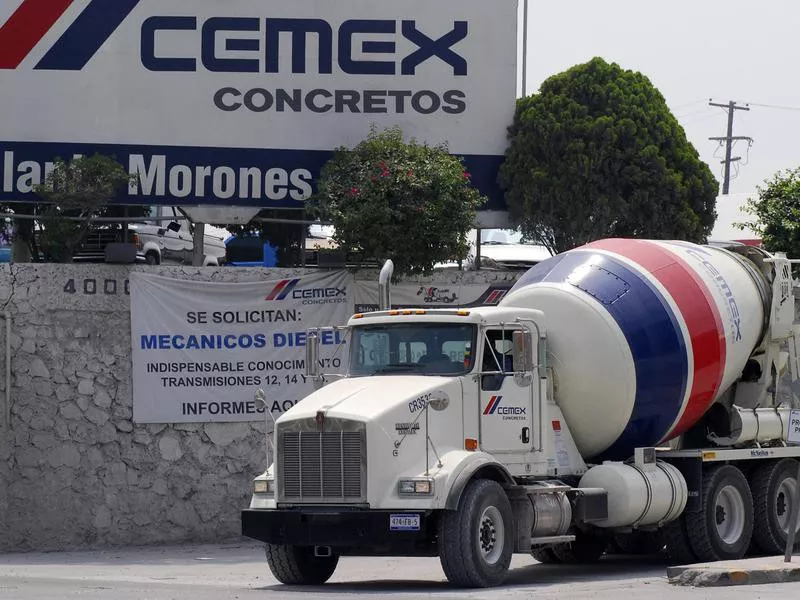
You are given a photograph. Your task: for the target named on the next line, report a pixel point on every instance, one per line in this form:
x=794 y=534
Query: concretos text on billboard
x=200 y=350
x=242 y=102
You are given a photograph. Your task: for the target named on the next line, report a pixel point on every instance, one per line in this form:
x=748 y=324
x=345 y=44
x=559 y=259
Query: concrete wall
x=75 y=471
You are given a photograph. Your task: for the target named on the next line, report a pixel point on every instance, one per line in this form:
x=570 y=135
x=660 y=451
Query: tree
x=777 y=213
x=597 y=153
x=77 y=191
x=389 y=198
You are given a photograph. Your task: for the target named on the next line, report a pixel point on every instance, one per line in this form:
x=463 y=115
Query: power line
x=703 y=110
x=729 y=141
x=776 y=106
x=687 y=105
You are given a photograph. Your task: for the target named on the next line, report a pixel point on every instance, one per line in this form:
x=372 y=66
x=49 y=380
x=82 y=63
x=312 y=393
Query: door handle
x=526 y=435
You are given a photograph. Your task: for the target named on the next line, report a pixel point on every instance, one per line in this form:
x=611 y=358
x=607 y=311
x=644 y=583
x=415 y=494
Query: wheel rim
x=729 y=515
x=783 y=503
x=491 y=535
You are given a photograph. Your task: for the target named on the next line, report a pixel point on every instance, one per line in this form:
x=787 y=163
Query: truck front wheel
x=297 y=565
x=476 y=541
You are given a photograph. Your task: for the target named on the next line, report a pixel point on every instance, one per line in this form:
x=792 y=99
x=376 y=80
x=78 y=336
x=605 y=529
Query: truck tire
x=297 y=565
x=722 y=530
x=546 y=556
x=679 y=550
x=476 y=541
x=151 y=258
x=774 y=487
x=587 y=548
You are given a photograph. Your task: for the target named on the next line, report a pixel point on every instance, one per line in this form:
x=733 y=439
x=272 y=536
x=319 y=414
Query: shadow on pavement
x=616 y=568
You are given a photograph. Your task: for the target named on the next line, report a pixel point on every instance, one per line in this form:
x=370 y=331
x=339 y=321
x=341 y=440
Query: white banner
x=432 y=295
x=202 y=349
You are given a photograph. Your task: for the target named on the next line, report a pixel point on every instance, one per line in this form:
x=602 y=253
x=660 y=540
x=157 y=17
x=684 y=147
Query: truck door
x=506 y=419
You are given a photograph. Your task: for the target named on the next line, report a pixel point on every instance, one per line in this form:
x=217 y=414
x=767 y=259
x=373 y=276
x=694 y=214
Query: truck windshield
x=410 y=349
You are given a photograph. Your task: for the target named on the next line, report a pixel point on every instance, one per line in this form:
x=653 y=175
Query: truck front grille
x=326 y=466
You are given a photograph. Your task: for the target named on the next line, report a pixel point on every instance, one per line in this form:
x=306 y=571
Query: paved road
x=238 y=571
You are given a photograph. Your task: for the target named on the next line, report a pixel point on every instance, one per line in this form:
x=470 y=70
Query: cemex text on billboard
x=241 y=102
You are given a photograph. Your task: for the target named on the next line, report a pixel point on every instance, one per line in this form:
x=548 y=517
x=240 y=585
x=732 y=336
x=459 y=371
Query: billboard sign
x=241 y=102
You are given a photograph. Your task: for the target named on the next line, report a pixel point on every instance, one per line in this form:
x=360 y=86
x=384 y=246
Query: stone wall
x=75 y=471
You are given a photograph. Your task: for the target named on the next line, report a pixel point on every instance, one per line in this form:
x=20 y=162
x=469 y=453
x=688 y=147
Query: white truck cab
x=451 y=406
x=172 y=242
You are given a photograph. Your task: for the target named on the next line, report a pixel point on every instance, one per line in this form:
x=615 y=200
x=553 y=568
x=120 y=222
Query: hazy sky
x=692 y=50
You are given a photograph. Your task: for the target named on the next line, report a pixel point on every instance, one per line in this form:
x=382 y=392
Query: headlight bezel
x=264 y=486
x=415 y=487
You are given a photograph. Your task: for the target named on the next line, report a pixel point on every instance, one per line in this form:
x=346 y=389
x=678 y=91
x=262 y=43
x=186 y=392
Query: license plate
x=404 y=522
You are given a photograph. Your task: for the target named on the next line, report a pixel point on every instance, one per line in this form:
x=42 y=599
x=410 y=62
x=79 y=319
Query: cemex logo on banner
x=321 y=295
x=76 y=46
x=282 y=289
x=227 y=45
x=84 y=37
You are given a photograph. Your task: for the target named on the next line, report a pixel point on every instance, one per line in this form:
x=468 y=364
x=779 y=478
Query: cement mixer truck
x=624 y=394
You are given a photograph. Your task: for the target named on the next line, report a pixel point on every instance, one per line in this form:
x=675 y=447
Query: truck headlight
x=415 y=487
x=264 y=486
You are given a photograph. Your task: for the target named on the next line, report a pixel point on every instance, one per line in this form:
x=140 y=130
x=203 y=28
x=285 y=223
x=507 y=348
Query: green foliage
x=389 y=198
x=597 y=153
x=76 y=191
x=777 y=213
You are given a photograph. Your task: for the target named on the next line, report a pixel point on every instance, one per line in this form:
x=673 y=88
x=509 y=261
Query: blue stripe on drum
x=650 y=328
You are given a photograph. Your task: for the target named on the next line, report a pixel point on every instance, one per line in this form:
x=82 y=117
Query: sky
x=692 y=51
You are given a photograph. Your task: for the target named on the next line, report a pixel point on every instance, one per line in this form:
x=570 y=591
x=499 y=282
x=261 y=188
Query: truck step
x=552 y=539
x=529 y=490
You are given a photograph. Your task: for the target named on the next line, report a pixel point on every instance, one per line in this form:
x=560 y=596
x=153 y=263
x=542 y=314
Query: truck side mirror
x=174 y=226
x=312 y=356
x=522 y=351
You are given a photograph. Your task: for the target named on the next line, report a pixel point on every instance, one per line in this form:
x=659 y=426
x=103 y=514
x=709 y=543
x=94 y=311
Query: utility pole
x=525 y=49
x=729 y=140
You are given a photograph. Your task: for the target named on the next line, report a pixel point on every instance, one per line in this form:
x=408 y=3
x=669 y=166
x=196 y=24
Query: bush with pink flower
x=398 y=199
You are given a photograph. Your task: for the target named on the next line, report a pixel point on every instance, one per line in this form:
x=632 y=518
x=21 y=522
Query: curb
x=718 y=577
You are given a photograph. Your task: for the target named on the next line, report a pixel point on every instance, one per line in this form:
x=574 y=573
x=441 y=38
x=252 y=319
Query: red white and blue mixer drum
x=643 y=336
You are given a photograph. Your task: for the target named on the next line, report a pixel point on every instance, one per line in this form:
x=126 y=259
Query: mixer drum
x=643 y=336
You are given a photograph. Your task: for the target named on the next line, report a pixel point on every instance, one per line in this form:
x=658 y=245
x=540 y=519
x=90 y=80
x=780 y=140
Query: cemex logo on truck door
x=320 y=295
x=509 y=413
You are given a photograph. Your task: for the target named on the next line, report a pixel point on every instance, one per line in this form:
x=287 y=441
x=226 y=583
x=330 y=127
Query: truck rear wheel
x=476 y=541
x=546 y=556
x=587 y=548
x=724 y=528
x=679 y=550
x=774 y=487
x=297 y=565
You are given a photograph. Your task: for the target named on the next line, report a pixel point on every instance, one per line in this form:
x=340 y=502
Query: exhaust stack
x=384 y=281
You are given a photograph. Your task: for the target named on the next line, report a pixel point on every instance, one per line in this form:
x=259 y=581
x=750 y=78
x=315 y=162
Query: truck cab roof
x=482 y=315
